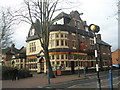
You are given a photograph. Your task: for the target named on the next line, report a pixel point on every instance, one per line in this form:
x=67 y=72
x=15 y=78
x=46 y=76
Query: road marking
x=94 y=83
x=113 y=82
x=109 y=78
x=109 y=85
x=81 y=84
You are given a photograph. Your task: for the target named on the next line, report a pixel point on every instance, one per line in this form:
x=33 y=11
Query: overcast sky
x=99 y=12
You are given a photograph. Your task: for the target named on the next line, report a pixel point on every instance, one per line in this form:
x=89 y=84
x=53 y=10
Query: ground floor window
x=32 y=66
x=59 y=57
x=58 y=63
x=92 y=64
x=53 y=63
x=21 y=66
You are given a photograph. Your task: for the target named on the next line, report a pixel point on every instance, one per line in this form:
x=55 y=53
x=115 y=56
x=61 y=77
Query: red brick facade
x=116 y=57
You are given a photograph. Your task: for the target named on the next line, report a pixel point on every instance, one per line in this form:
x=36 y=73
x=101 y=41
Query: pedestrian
x=15 y=74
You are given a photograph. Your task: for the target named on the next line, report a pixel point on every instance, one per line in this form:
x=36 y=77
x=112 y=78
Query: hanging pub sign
x=82 y=46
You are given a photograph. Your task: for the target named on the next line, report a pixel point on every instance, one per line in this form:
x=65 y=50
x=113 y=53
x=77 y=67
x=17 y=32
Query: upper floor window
x=92 y=42
x=57 y=42
x=61 y=35
x=32 y=32
x=78 y=24
x=62 y=42
x=52 y=43
x=73 y=43
x=58 y=39
x=65 y=35
x=52 y=36
x=57 y=35
x=32 y=47
x=66 y=43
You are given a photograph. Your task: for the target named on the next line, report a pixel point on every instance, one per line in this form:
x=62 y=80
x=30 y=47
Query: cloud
x=20 y=35
x=100 y=12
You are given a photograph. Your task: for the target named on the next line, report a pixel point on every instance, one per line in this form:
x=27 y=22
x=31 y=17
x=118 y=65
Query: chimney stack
x=99 y=36
x=12 y=47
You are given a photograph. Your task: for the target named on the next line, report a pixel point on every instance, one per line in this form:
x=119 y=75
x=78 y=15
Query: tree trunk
x=48 y=64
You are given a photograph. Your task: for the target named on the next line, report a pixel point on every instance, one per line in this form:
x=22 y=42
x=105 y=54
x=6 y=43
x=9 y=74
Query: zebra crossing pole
x=95 y=29
x=97 y=66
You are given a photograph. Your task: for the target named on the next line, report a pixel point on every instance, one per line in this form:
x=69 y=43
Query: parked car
x=116 y=65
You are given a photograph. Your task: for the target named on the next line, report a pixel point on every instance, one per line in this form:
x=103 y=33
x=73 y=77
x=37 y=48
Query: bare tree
x=6 y=31
x=39 y=14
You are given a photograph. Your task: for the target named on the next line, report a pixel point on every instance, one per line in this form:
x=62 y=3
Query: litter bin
x=59 y=72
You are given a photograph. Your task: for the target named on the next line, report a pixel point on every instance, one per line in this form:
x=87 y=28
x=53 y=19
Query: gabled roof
x=22 y=50
x=62 y=15
x=70 y=29
x=21 y=53
x=102 y=42
x=37 y=22
x=9 y=52
x=117 y=50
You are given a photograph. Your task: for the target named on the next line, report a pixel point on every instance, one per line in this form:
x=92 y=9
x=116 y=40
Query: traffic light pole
x=97 y=66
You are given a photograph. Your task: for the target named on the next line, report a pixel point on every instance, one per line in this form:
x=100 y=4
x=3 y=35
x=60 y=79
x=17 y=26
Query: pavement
x=38 y=80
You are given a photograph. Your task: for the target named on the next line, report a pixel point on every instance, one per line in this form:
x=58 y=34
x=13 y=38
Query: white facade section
x=96 y=53
x=37 y=46
x=61 y=21
x=95 y=40
x=97 y=68
x=32 y=32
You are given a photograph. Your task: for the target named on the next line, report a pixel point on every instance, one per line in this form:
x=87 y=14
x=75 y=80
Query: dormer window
x=77 y=24
x=32 y=32
x=86 y=29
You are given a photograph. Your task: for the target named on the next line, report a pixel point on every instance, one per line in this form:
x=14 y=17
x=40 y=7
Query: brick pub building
x=70 y=44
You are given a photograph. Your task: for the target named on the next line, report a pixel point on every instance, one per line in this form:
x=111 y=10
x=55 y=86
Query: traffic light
x=94 y=28
x=41 y=60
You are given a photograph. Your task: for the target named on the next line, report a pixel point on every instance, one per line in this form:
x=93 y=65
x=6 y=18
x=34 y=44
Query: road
x=90 y=81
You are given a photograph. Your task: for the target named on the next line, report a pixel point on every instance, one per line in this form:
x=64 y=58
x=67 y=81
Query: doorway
x=72 y=67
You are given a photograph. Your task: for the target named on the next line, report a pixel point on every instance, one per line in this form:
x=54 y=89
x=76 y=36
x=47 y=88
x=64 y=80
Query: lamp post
x=95 y=29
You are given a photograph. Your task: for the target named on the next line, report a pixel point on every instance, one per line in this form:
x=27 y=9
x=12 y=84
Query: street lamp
x=95 y=29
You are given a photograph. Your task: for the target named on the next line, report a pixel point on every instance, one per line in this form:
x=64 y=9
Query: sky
x=99 y=12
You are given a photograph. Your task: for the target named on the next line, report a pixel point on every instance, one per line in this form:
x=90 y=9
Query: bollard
x=85 y=71
x=48 y=76
x=111 y=81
